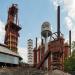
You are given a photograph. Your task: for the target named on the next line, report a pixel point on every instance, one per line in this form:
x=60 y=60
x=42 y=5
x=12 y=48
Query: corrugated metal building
x=7 y=57
x=8 y=52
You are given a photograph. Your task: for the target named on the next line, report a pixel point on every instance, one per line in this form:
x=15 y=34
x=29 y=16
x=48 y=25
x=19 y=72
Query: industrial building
x=7 y=57
x=30 y=52
x=12 y=29
x=51 y=54
x=8 y=52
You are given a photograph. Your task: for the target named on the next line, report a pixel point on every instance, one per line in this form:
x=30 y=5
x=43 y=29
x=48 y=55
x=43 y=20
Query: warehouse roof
x=5 y=50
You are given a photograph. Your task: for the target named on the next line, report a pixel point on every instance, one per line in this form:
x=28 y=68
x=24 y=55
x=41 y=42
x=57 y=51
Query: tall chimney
x=58 y=21
x=42 y=42
x=70 y=41
x=36 y=42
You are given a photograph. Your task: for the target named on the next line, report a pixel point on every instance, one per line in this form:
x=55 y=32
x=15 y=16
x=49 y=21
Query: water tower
x=46 y=32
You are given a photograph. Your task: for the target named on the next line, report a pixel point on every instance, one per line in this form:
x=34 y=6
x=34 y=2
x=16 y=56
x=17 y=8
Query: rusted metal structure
x=8 y=51
x=35 y=55
x=12 y=28
x=56 y=52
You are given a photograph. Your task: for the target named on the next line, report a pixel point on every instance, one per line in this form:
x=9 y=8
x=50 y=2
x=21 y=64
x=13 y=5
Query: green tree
x=69 y=64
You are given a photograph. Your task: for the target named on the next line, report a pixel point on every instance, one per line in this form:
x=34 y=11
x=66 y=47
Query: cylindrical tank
x=46 y=29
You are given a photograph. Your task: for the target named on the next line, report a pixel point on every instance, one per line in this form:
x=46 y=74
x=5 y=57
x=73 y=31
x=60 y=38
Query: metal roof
x=4 y=49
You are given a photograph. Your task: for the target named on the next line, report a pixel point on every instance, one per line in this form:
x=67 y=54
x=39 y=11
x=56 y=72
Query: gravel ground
x=20 y=71
x=57 y=72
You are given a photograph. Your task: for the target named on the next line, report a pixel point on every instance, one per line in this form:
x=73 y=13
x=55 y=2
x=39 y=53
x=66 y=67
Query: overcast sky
x=32 y=13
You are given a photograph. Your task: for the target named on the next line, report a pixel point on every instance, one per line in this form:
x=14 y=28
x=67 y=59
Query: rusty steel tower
x=54 y=51
x=12 y=28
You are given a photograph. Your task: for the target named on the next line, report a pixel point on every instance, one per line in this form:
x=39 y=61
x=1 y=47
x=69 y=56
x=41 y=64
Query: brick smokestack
x=58 y=21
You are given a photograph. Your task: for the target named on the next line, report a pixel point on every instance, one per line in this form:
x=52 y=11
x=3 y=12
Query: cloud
x=2 y=31
x=70 y=18
x=67 y=4
x=57 y=2
x=23 y=53
x=68 y=22
x=39 y=42
x=70 y=7
x=73 y=34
